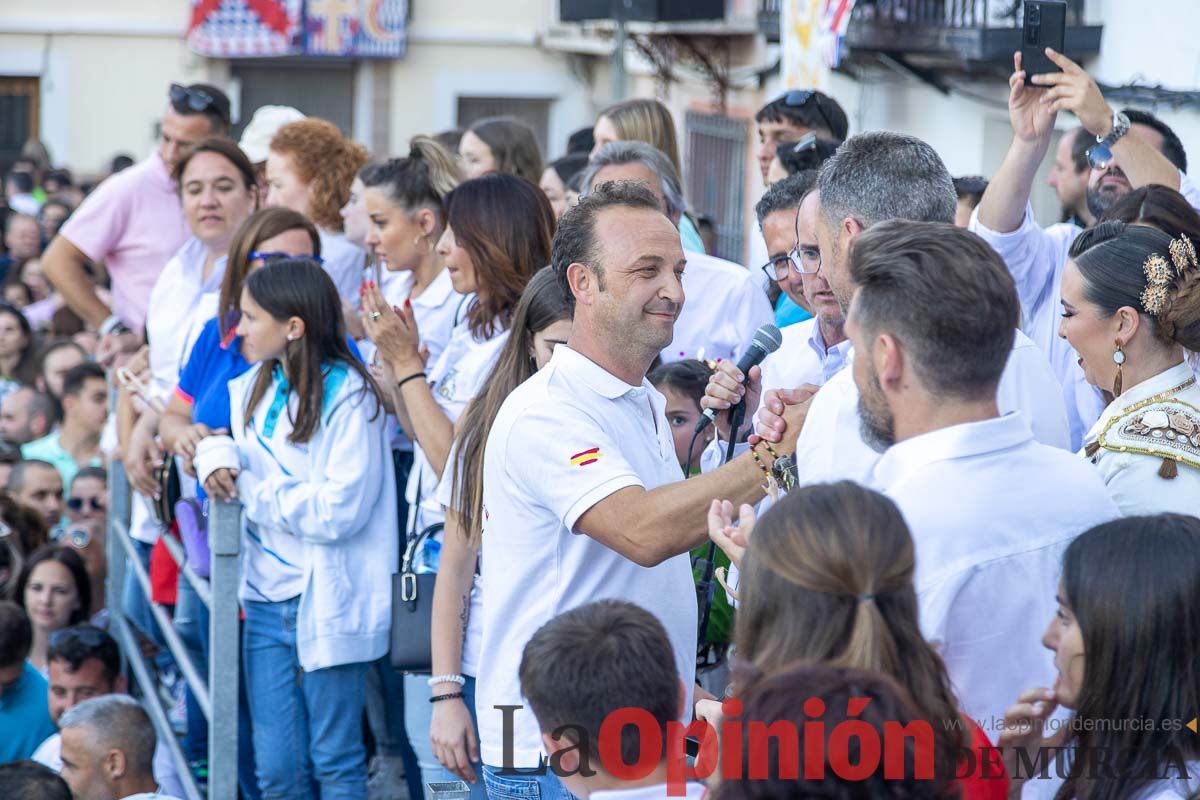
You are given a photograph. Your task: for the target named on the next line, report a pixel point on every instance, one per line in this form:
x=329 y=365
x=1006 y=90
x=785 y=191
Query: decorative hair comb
x=1160 y=274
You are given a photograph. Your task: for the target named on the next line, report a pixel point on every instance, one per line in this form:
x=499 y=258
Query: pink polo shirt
x=134 y=223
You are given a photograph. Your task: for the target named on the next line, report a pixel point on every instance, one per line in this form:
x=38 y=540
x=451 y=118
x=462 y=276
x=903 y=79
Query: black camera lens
x=1035 y=15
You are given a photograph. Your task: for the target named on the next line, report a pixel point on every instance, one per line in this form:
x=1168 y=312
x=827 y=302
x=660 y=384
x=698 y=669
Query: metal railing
x=217 y=692
x=955 y=13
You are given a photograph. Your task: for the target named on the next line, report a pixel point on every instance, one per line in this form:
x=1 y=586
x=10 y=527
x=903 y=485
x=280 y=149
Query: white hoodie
x=333 y=500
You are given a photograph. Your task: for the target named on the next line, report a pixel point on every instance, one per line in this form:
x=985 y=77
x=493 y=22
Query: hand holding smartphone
x=1045 y=25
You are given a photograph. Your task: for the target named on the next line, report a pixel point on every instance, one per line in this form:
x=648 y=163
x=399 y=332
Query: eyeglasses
x=798 y=98
x=76 y=504
x=186 y=99
x=267 y=258
x=804 y=260
x=76 y=537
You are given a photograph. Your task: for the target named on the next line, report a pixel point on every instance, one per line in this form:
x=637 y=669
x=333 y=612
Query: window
x=18 y=116
x=715 y=189
x=324 y=90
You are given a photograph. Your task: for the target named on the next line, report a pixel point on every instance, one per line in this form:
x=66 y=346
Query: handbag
x=412 y=606
x=169 y=490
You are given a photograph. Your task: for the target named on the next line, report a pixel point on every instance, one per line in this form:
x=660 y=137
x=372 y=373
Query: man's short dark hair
x=78 y=643
x=21 y=181
x=945 y=295
x=29 y=780
x=575 y=239
x=43 y=405
x=820 y=113
x=16 y=478
x=1172 y=147
x=78 y=375
x=218 y=112
x=120 y=162
x=16 y=634
x=99 y=473
x=882 y=175
x=785 y=195
x=593 y=660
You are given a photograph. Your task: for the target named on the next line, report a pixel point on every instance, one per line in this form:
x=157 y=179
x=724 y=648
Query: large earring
x=1119 y=360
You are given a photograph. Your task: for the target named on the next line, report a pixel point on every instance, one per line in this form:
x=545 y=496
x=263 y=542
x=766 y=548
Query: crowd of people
x=510 y=466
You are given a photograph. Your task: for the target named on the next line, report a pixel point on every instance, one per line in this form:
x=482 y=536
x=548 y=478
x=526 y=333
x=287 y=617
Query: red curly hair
x=327 y=160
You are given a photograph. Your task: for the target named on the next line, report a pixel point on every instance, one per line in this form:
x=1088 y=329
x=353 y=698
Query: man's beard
x=875 y=421
x=1101 y=198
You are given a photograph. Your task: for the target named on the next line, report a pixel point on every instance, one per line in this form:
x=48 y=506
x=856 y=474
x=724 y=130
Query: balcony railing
x=964 y=31
x=770 y=18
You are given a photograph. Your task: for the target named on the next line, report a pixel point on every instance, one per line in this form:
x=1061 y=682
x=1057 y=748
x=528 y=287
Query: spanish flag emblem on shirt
x=586 y=457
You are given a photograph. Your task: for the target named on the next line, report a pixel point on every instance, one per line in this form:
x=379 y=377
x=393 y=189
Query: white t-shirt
x=723 y=306
x=567 y=438
x=456 y=377
x=991 y=512
x=49 y=753
x=181 y=302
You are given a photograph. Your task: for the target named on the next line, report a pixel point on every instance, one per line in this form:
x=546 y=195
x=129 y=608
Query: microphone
x=766 y=341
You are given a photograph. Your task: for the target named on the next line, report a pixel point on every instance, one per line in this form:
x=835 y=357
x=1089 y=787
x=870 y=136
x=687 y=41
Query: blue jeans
x=524 y=787
x=418 y=716
x=308 y=738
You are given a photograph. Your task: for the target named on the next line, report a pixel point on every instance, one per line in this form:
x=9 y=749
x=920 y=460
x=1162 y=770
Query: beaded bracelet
x=437 y=698
x=434 y=681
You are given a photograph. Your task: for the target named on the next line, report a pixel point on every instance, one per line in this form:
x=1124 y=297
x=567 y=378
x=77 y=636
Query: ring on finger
x=374 y=315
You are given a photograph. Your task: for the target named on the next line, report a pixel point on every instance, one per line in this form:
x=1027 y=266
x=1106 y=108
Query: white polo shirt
x=831 y=447
x=991 y=512
x=564 y=440
x=723 y=306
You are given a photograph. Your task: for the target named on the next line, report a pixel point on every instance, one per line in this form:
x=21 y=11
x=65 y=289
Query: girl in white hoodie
x=320 y=540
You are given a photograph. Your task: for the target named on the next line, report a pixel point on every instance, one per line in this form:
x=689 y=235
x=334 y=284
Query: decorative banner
x=813 y=33
x=257 y=28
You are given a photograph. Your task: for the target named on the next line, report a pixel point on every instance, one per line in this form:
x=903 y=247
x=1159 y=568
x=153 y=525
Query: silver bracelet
x=434 y=681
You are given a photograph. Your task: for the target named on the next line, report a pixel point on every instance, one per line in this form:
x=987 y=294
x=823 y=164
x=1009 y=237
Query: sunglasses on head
x=799 y=98
x=186 y=99
x=87 y=635
x=268 y=258
x=76 y=504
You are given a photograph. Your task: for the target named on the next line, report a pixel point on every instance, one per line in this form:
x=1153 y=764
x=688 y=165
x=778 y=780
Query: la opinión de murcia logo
x=852 y=750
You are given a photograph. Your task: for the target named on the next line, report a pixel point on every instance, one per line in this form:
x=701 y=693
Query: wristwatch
x=1100 y=154
x=113 y=325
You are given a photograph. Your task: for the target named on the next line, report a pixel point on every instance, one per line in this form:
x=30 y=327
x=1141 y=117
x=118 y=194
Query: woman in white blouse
x=498 y=234
x=315 y=482
x=1124 y=644
x=1131 y=310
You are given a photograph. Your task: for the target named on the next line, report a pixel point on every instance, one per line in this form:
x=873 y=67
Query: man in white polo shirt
x=583 y=495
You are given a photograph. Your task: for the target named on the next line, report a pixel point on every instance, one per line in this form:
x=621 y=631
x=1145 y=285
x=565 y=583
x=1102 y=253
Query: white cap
x=256 y=139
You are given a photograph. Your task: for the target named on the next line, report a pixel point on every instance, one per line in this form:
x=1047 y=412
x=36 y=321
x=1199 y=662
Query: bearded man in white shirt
x=990 y=509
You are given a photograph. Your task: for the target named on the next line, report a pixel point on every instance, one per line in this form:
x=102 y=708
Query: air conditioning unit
x=642 y=10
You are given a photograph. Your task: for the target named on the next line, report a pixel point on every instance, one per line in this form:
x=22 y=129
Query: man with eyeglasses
x=134 y=223
x=814 y=350
x=84 y=662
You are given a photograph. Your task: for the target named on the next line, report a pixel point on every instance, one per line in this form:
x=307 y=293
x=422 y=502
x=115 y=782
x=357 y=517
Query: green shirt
x=50 y=450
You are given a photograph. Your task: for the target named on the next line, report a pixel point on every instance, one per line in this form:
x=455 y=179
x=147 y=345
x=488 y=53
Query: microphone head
x=768 y=338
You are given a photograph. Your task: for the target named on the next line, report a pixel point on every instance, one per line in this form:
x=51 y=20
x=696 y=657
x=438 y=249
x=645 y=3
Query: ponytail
x=422 y=179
